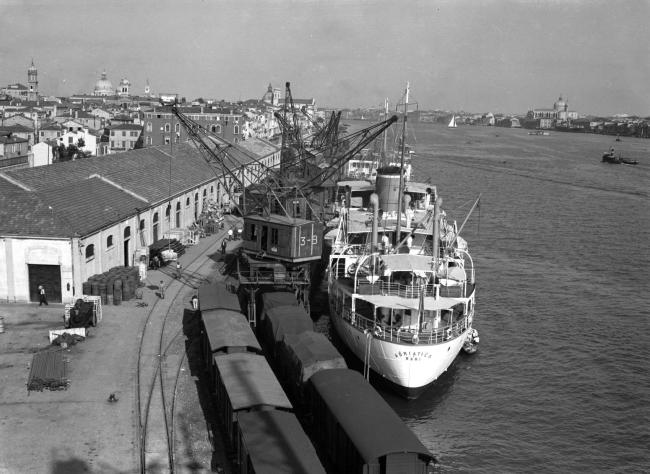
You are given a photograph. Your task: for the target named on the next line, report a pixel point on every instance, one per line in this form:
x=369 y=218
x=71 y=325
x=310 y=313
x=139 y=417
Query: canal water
x=561 y=242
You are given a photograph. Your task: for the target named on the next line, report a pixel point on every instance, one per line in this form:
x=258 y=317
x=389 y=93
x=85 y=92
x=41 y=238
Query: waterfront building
x=14 y=151
x=63 y=223
x=44 y=153
x=162 y=127
x=50 y=131
x=83 y=138
x=549 y=118
x=124 y=136
x=20 y=131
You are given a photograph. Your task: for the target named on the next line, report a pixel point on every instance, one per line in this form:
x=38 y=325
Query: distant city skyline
x=502 y=56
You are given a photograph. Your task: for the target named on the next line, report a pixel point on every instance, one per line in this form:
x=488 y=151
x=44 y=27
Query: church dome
x=560 y=104
x=268 y=97
x=104 y=86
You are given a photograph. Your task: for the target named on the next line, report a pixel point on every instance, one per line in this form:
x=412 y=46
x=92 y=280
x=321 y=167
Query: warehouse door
x=50 y=277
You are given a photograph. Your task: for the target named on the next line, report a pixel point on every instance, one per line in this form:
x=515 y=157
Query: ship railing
x=402 y=290
x=409 y=335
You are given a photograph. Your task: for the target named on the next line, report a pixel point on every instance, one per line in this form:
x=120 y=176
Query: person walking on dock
x=178 y=270
x=42 y=297
x=161 y=289
x=224 y=244
x=230 y=234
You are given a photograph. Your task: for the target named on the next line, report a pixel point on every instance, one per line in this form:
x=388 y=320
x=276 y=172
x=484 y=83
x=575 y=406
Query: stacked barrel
x=114 y=286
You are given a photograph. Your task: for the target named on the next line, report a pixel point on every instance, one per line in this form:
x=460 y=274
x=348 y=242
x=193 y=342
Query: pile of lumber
x=47 y=371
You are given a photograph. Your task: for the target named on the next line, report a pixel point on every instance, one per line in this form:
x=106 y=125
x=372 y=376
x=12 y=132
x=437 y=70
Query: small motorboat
x=610 y=157
x=470 y=346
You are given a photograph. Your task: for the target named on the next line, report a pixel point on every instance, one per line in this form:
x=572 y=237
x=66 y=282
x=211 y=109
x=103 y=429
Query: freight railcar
x=272 y=442
x=357 y=429
x=245 y=382
x=273 y=299
x=302 y=355
x=279 y=322
x=217 y=296
x=225 y=332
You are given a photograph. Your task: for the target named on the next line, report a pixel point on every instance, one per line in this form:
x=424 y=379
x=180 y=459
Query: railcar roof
x=225 y=328
x=313 y=351
x=370 y=423
x=276 y=443
x=217 y=296
x=288 y=320
x=250 y=382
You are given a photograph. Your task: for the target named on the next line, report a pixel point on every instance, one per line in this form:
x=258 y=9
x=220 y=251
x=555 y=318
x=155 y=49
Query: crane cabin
x=289 y=239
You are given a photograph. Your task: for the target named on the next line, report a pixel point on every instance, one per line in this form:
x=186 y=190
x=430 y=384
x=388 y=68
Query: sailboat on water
x=452 y=122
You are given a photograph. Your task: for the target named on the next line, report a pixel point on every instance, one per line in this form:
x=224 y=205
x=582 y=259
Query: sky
x=500 y=56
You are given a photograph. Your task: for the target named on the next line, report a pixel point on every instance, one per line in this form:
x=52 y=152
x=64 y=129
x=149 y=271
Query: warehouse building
x=63 y=223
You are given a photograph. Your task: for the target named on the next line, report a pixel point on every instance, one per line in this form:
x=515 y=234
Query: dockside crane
x=283 y=207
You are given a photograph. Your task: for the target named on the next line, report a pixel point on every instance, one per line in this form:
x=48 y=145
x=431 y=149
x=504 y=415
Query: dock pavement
x=78 y=429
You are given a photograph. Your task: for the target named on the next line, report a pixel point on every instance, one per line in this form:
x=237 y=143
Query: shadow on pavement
x=192 y=329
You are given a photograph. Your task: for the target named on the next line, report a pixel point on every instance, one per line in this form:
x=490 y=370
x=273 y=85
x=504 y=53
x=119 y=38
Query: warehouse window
x=90 y=252
x=109 y=241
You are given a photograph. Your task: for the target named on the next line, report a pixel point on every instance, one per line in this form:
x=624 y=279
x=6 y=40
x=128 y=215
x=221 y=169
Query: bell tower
x=32 y=81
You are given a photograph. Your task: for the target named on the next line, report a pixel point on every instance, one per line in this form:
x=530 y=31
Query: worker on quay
x=239 y=233
x=195 y=302
x=223 y=247
x=42 y=297
x=178 y=270
x=161 y=289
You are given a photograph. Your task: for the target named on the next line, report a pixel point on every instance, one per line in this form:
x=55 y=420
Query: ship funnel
x=387 y=186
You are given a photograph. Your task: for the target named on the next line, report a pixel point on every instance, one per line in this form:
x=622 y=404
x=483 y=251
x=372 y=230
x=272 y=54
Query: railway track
x=158 y=373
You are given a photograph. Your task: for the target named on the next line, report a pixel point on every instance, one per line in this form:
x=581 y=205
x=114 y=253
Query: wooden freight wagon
x=288 y=239
x=359 y=431
x=301 y=356
x=217 y=296
x=245 y=382
x=281 y=321
x=274 y=442
x=225 y=332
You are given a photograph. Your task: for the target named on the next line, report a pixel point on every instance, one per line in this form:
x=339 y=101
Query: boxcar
x=273 y=299
x=301 y=356
x=245 y=382
x=274 y=442
x=225 y=332
x=217 y=296
x=280 y=321
x=359 y=431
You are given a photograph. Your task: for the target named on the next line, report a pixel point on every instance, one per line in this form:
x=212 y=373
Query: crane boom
x=273 y=186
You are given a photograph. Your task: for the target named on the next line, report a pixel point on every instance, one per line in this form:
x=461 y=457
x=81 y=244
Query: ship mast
x=398 y=230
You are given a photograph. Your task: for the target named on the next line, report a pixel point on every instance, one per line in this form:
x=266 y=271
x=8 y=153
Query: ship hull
x=408 y=368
